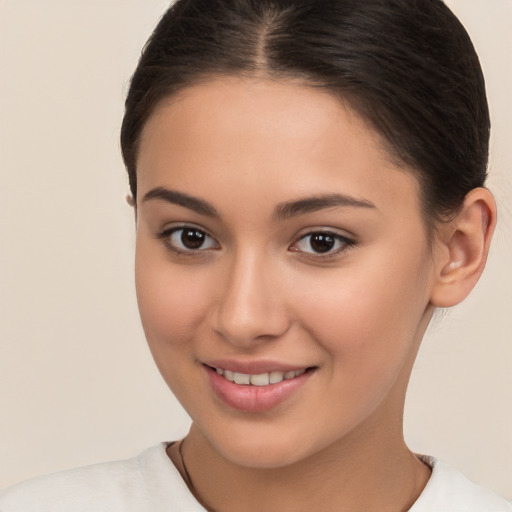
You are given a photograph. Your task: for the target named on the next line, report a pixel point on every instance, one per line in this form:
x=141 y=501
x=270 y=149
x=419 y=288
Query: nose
x=250 y=307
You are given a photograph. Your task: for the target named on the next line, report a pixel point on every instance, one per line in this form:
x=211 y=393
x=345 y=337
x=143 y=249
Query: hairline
x=431 y=220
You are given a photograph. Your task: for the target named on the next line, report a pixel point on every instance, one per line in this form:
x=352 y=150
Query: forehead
x=265 y=137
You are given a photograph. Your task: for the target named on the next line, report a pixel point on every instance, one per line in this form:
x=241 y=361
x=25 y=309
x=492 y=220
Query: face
x=282 y=268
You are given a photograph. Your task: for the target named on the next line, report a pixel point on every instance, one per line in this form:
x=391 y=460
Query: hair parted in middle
x=406 y=66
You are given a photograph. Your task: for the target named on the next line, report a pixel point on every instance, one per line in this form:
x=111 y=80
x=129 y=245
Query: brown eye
x=322 y=242
x=188 y=239
x=192 y=238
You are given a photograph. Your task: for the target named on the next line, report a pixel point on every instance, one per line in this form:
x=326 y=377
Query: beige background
x=77 y=384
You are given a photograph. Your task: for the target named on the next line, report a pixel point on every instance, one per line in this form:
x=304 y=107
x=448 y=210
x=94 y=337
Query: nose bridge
x=250 y=306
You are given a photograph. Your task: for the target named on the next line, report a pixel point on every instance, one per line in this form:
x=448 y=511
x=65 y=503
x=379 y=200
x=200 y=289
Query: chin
x=260 y=455
x=261 y=449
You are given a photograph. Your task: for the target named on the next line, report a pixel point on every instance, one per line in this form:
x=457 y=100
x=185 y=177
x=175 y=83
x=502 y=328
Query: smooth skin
x=255 y=287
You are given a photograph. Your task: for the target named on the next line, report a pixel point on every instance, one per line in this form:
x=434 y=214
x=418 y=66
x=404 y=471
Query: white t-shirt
x=151 y=483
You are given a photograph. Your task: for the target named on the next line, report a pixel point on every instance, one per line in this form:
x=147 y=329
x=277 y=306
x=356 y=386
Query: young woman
x=308 y=184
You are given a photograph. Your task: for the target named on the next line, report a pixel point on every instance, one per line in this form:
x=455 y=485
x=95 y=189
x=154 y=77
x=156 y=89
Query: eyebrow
x=312 y=204
x=282 y=211
x=179 y=198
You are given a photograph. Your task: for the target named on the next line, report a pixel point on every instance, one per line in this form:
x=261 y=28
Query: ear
x=462 y=249
x=131 y=202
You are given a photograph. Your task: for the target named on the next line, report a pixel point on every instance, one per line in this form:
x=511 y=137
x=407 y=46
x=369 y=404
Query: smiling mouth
x=260 y=379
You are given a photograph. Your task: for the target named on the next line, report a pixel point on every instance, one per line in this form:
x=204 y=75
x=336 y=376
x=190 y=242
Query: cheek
x=172 y=301
x=367 y=315
x=369 y=334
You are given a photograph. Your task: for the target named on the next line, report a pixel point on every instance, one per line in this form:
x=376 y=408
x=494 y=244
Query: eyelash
x=166 y=237
x=344 y=242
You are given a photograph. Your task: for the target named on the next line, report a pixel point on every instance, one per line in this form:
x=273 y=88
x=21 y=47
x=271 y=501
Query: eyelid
x=347 y=241
x=166 y=233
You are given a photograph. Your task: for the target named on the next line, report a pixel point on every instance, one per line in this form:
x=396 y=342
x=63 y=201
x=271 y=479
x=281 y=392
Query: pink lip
x=252 y=367
x=249 y=398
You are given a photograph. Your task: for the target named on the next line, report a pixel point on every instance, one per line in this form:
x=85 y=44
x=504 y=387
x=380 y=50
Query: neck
x=366 y=472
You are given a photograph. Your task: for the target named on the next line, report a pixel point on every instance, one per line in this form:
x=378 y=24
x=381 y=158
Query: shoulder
x=448 y=490
x=148 y=482
x=77 y=489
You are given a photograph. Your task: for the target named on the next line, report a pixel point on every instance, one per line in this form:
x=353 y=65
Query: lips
x=247 y=387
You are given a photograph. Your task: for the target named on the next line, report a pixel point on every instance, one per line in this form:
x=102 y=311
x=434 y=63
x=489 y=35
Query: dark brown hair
x=407 y=66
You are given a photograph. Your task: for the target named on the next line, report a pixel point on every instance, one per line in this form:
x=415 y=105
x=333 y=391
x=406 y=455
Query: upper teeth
x=262 y=379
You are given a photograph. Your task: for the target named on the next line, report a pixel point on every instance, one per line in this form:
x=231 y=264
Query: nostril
x=249 y=308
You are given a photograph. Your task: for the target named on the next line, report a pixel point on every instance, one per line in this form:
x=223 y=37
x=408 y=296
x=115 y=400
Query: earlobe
x=463 y=248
